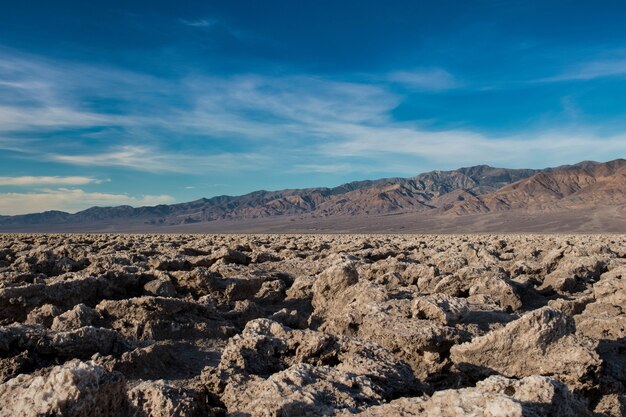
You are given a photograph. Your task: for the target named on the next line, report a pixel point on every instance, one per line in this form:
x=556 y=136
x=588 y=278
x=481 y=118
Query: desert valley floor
x=307 y=325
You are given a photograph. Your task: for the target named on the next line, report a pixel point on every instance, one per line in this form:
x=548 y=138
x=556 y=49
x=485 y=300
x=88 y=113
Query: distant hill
x=440 y=195
x=582 y=186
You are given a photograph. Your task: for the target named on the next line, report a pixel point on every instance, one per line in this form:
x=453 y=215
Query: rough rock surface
x=74 y=389
x=297 y=325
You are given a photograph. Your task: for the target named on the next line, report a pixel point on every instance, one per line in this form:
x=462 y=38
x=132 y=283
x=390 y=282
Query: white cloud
x=154 y=160
x=139 y=158
x=201 y=23
x=432 y=79
x=48 y=180
x=455 y=148
x=298 y=122
x=71 y=200
x=330 y=168
x=592 y=70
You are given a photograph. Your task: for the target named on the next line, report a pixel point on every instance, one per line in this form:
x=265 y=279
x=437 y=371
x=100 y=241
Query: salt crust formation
x=310 y=325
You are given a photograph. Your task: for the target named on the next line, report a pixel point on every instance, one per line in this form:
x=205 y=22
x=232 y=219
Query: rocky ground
x=307 y=325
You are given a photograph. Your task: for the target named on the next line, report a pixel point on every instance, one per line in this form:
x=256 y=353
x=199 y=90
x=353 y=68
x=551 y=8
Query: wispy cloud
x=429 y=79
x=71 y=200
x=139 y=158
x=201 y=23
x=456 y=148
x=148 y=159
x=29 y=181
x=203 y=125
x=592 y=70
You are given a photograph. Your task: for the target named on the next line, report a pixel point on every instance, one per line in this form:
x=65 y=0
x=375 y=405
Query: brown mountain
x=389 y=195
x=433 y=201
x=581 y=186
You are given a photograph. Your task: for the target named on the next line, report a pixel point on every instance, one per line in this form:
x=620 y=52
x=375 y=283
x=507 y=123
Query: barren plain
x=308 y=325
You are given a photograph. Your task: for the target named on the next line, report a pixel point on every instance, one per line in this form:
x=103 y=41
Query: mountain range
x=455 y=200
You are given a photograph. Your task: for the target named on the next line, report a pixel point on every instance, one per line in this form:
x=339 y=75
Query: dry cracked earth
x=307 y=325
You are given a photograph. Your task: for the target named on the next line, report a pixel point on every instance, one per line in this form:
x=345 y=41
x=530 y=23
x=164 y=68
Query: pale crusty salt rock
x=447 y=264
x=499 y=288
x=300 y=390
x=75 y=389
x=422 y=343
x=243 y=311
x=572 y=306
x=231 y=256
x=166 y=263
x=377 y=309
x=331 y=284
x=271 y=291
x=259 y=257
x=605 y=319
x=13 y=366
x=198 y=282
x=573 y=273
x=79 y=316
x=602 y=321
x=80 y=343
x=343 y=304
x=158 y=399
x=44 y=314
x=449 y=403
x=539 y=343
x=301 y=288
x=160 y=287
x=440 y=308
x=611 y=405
x=496 y=396
x=611 y=287
x=290 y=318
x=17 y=302
x=265 y=347
x=159 y=318
x=331 y=371
x=539 y=395
x=339 y=295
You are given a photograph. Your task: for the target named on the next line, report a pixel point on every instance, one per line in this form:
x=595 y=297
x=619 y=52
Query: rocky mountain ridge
x=474 y=190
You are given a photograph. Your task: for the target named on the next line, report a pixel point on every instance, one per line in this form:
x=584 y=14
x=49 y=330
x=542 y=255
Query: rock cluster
x=308 y=325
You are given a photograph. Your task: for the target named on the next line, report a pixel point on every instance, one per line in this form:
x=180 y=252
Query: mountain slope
x=584 y=185
x=389 y=195
x=587 y=188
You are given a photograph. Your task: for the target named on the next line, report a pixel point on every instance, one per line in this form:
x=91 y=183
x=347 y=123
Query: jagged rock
x=17 y=302
x=159 y=318
x=44 y=314
x=157 y=399
x=539 y=343
x=271 y=291
x=170 y=264
x=79 y=316
x=440 y=308
x=494 y=397
x=80 y=343
x=300 y=390
x=499 y=289
x=573 y=273
x=160 y=287
x=301 y=288
x=75 y=389
x=306 y=363
x=364 y=320
x=231 y=256
x=611 y=405
x=13 y=366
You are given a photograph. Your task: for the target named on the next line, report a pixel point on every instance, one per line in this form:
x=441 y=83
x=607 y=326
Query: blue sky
x=149 y=102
